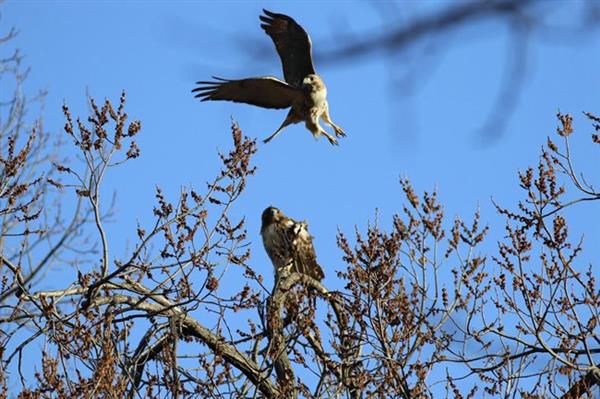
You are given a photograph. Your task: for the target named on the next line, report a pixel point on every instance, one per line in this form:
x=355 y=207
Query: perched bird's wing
x=292 y=44
x=305 y=258
x=266 y=92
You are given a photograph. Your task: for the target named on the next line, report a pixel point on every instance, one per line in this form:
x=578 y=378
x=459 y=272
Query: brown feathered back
x=289 y=245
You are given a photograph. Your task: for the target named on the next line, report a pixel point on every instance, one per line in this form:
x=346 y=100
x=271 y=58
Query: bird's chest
x=276 y=241
x=278 y=246
x=271 y=237
x=314 y=105
x=317 y=99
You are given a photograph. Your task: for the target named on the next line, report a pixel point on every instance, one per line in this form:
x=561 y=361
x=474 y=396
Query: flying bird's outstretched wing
x=266 y=92
x=303 y=90
x=292 y=44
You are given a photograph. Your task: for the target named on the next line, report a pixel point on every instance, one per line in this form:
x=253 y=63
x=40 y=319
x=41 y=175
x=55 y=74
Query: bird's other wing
x=292 y=44
x=266 y=92
x=305 y=258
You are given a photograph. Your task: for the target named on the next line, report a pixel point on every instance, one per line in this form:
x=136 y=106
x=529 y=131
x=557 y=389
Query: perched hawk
x=303 y=90
x=289 y=245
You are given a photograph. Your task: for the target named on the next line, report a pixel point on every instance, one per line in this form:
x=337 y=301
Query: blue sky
x=430 y=133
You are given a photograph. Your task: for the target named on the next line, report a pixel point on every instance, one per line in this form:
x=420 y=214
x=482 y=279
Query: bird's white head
x=312 y=82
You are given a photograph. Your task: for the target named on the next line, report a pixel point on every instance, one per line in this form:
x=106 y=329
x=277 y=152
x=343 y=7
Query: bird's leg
x=312 y=124
x=289 y=119
x=271 y=137
x=327 y=119
x=331 y=139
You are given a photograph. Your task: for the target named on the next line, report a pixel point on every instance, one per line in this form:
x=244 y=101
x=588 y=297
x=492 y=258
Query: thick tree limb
x=583 y=386
x=342 y=371
x=192 y=328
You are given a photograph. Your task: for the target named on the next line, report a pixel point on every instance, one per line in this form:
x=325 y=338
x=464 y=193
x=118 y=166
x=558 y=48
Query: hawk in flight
x=289 y=245
x=303 y=90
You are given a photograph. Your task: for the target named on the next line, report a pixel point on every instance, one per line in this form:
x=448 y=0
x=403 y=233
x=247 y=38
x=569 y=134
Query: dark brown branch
x=583 y=386
x=192 y=328
x=454 y=16
x=275 y=330
x=143 y=354
x=277 y=340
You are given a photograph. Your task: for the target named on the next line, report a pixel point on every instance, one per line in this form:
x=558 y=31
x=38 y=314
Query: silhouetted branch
x=584 y=385
x=456 y=15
